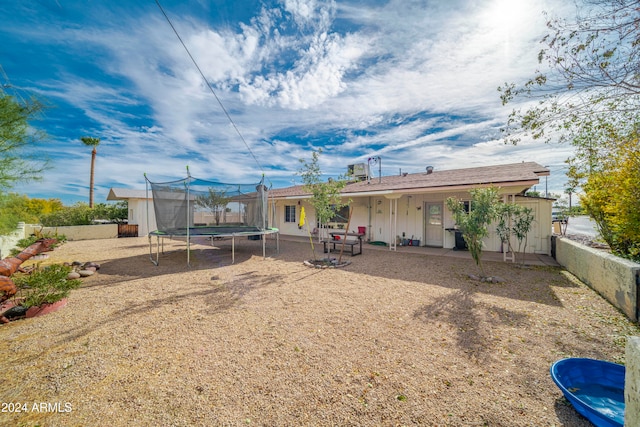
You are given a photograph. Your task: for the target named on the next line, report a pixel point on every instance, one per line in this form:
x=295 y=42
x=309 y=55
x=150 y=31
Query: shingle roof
x=525 y=173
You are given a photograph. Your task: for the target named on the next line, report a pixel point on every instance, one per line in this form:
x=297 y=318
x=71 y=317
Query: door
x=379 y=220
x=433 y=224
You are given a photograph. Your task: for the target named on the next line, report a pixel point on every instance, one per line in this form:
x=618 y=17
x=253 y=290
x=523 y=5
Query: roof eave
x=440 y=189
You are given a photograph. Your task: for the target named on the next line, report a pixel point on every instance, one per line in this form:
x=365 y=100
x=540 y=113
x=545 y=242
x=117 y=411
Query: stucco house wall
x=141 y=211
x=397 y=206
x=374 y=214
x=413 y=206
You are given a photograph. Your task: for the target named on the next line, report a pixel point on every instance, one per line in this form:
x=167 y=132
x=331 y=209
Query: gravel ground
x=391 y=339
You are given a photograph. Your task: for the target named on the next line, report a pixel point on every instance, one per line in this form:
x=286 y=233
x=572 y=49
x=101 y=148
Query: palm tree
x=91 y=142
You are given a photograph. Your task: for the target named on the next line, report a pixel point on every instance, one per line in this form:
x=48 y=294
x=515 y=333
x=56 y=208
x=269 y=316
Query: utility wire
x=210 y=87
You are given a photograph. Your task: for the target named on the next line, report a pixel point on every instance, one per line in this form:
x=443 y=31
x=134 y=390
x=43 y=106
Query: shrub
x=82 y=214
x=473 y=224
x=46 y=285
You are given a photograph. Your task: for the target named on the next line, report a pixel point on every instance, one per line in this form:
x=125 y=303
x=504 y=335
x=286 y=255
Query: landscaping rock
x=89 y=265
x=73 y=275
x=85 y=273
x=15 y=312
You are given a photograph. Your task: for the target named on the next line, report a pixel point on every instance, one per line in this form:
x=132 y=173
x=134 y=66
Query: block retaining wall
x=615 y=278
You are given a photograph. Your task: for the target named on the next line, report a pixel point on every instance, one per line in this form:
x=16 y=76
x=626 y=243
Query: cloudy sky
x=411 y=81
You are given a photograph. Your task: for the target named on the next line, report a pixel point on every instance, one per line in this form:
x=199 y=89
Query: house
x=393 y=209
x=140 y=204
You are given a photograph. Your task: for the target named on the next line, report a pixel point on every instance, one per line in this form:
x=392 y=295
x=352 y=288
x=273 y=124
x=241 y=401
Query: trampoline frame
x=211 y=232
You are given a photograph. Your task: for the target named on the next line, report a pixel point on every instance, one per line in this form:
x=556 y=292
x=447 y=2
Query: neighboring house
x=413 y=205
x=140 y=204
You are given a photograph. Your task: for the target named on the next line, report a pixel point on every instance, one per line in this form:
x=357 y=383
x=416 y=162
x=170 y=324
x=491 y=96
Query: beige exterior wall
x=386 y=219
x=77 y=232
x=9 y=242
x=138 y=215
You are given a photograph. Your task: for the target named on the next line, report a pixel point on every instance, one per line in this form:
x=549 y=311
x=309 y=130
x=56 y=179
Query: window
x=342 y=215
x=340 y=218
x=435 y=215
x=290 y=213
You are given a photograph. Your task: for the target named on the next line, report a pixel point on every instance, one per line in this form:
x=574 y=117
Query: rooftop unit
x=358 y=170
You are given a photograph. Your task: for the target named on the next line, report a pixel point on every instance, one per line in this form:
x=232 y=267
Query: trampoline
x=236 y=210
x=213 y=232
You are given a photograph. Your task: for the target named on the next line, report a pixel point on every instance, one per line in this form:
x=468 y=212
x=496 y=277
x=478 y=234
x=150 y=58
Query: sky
x=411 y=82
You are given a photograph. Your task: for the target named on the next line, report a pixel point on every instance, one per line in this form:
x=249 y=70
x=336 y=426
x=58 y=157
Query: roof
x=126 y=194
x=525 y=174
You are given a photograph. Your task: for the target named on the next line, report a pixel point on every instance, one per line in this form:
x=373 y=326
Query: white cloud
x=412 y=81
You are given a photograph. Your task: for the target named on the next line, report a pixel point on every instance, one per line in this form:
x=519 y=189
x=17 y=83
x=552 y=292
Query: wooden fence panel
x=127 y=230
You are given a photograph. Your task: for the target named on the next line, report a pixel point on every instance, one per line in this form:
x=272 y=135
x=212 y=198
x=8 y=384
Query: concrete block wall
x=77 y=232
x=615 y=278
x=632 y=383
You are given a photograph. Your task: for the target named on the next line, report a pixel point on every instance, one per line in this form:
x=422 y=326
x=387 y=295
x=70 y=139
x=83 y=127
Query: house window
x=341 y=216
x=290 y=213
x=339 y=219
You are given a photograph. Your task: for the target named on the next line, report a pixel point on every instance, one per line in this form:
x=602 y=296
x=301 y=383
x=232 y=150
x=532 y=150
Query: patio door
x=433 y=224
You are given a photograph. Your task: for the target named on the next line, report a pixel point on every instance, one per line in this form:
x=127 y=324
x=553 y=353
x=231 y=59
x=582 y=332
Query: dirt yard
x=392 y=339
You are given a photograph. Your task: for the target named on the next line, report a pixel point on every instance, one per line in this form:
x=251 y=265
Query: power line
x=209 y=86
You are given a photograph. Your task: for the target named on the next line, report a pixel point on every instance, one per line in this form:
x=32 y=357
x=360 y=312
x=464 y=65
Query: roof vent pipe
x=429 y=169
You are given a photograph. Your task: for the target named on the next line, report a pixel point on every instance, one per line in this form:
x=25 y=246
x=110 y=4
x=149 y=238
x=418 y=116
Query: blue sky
x=412 y=81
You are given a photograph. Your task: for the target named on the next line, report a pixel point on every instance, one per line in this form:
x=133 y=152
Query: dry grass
x=392 y=339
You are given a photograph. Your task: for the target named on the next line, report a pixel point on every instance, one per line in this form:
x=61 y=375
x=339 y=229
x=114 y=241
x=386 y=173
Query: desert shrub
x=45 y=285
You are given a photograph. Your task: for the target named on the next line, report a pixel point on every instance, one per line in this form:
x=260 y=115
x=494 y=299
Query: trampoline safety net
x=177 y=203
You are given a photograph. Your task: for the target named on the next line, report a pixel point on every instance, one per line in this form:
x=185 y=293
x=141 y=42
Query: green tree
x=78 y=214
x=112 y=212
x=589 y=89
x=91 y=142
x=612 y=198
x=589 y=96
x=18 y=164
x=81 y=214
x=16 y=208
x=474 y=223
x=215 y=202
x=514 y=220
x=326 y=197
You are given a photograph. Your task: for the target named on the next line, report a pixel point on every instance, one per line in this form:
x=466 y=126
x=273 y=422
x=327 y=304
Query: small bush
x=46 y=285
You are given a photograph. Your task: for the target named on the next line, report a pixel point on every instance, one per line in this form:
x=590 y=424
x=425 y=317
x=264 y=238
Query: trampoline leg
x=157 y=260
